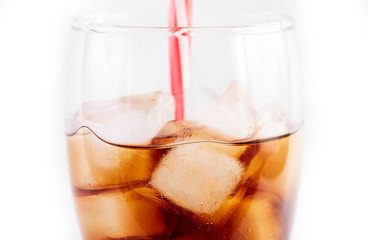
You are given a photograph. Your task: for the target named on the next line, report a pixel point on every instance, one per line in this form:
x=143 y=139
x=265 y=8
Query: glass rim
x=96 y=23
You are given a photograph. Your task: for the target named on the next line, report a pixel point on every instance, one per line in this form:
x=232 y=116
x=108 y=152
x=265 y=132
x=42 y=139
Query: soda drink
x=189 y=161
x=188 y=180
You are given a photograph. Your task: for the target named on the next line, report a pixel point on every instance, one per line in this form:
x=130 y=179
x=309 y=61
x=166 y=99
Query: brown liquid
x=196 y=190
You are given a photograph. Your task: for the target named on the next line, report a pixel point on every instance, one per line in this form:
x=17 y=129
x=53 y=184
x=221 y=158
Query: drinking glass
x=213 y=155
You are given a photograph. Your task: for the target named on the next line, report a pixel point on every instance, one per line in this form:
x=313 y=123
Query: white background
x=35 y=200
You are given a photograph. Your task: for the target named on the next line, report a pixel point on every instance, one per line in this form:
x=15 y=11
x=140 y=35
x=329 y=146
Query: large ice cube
x=257 y=218
x=122 y=214
x=95 y=164
x=232 y=114
x=130 y=119
x=197 y=177
x=201 y=181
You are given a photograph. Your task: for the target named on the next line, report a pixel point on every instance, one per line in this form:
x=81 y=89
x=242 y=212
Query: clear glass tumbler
x=217 y=159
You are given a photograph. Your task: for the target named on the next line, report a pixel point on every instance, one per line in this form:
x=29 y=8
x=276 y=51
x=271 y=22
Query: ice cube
x=95 y=164
x=197 y=177
x=202 y=181
x=257 y=218
x=272 y=121
x=130 y=119
x=280 y=170
x=252 y=162
x=232 y=114
x=275 y=154
x=122 y=214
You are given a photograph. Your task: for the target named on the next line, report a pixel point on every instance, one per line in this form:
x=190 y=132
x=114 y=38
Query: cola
x=189 y=182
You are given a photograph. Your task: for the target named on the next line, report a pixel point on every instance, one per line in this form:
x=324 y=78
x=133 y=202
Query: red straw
x=180 y=16
x=189 y=5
